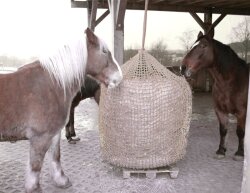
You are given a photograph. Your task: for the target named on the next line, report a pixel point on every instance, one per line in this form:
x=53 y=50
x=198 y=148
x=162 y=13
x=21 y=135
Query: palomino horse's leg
x=38 y=148
x=56 y=170
x=241 y=120
x=223 y=120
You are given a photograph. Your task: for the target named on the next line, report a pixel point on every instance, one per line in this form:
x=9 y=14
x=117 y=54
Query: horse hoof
x=238 y=158
x=63 y=185
x=70 y=141
x=66 y=185
x=73 y=140
x=76 y=139
x=37 y=190
x=219 y=156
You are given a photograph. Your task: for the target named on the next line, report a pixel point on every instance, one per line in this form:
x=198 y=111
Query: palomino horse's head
x=101 y=63
x=200 y=56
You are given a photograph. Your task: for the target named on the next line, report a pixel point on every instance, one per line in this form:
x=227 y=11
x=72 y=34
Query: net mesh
x=144 y=122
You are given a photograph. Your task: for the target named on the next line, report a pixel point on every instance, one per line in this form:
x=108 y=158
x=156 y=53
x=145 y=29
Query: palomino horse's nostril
x=115 y=80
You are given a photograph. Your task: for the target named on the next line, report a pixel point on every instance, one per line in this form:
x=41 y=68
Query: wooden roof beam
x=164 y=6
x=121 y=14
x=102 y=17
x=176 y=1
x=92 y=9
x=217 y=21
x=79 y=4
x=219 y=3
x=238 y=4
x=231 y=11
x=228 y=3
x=204 y=25
x=197 y=19
x=157 y=1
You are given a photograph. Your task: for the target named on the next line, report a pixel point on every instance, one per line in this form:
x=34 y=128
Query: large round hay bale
x=144 y=122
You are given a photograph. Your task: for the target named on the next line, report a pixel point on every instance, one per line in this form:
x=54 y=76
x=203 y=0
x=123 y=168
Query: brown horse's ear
x=91 y=37
x=199 y=35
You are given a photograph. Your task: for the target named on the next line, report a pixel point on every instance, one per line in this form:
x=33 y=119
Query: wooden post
x=89 y=8
x=117 y=9
x=197 y=19
x=208 y=21
x=91 y=12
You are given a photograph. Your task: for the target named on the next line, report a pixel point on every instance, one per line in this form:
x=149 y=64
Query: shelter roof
x=234 y=7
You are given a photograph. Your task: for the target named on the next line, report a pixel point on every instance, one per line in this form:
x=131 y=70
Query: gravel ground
x=199 y=172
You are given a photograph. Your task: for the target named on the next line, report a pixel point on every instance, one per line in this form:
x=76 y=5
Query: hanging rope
x=144 y=24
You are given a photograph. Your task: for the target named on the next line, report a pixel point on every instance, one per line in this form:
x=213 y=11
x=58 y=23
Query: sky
x=30 y=28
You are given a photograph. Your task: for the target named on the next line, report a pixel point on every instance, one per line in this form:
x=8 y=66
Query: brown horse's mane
x=227 y=58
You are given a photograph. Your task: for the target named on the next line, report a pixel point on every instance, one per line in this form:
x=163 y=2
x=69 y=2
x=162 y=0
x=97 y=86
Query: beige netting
x=145 y=121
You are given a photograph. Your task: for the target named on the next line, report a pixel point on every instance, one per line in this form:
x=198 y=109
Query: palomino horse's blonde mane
x=67 y=66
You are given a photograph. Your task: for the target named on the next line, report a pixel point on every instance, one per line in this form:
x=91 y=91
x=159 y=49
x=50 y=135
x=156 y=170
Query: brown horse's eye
x=104 y=51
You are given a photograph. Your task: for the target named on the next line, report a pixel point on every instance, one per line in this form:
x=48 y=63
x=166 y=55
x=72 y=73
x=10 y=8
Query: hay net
x=144 y=122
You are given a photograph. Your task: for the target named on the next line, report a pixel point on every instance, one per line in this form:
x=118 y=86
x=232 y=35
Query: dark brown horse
x=91 y=88
x=46 y=89
x=230 y=88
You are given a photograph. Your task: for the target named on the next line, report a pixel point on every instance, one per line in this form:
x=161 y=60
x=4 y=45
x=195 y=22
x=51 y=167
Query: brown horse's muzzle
x=182 y=69
x=185 y=71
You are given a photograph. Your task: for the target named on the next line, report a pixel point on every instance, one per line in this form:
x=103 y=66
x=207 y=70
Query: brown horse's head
x=200 y=56
x=100 y=63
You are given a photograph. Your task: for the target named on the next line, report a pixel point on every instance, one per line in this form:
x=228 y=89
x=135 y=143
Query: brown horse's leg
x=56 y=170
x=67 y=132
x=72 y=121
x=240 y=133
x=223 y=120
x=38 y=148
x=70 y=128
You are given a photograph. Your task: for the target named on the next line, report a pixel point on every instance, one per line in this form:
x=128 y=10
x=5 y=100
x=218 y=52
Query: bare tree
x=242 y=34
x=129 y=53
x=11 y=61
x=159 y=51
x=187 y=39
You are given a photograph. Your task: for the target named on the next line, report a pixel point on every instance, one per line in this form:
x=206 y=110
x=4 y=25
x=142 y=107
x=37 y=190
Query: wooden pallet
x=151 y=173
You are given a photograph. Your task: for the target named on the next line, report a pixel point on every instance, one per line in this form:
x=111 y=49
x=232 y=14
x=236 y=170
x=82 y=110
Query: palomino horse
x=230 y=88
x=46 y=89
x=90 y=89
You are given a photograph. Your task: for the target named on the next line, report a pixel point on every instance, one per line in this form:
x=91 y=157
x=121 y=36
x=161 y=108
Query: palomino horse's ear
x=199 y=35
x=91 y=37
